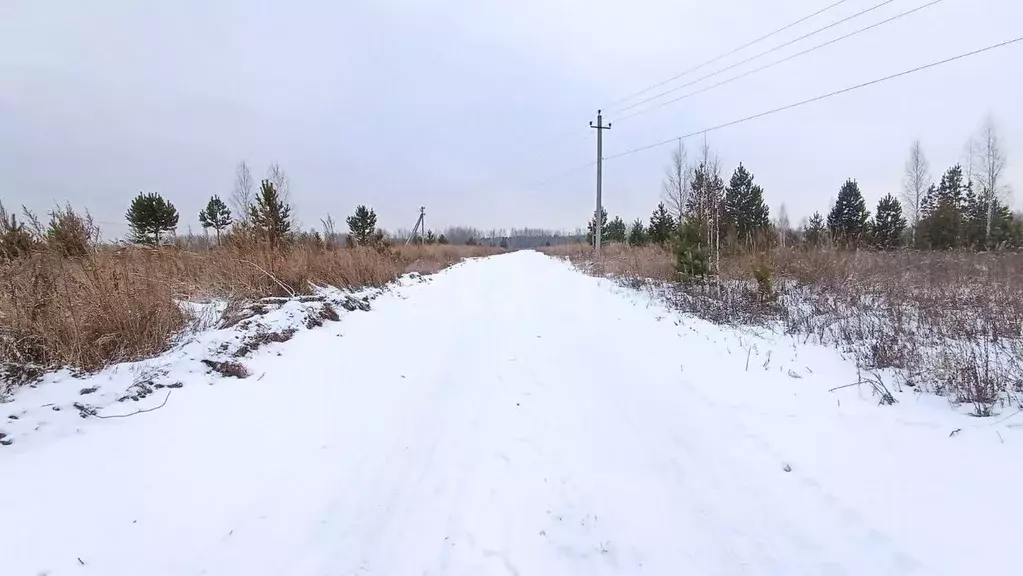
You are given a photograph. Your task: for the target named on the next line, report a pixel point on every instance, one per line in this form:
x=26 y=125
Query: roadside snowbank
x=218 y=345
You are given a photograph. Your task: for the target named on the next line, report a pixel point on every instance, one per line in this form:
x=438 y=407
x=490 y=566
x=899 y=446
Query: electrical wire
x=558 y=176
x=755 y=56
x=725 y=55
x=776 y=62
x=818 y=98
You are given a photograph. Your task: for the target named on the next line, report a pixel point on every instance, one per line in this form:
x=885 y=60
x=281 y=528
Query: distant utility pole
x=420 y=227
x=600 y=166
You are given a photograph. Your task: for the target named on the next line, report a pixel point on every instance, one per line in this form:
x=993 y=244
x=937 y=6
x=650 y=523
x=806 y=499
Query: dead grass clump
x=948 y=322
x=66 y=302
x=83 y=313
x=620 y=260
x=326 y=313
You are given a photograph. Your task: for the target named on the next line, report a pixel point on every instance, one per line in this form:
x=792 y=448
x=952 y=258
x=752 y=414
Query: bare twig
x=286 y=288
x=845 y=386
x=138 y=411
x=1006 y=418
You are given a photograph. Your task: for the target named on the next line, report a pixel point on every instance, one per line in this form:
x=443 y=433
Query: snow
x=509 y=415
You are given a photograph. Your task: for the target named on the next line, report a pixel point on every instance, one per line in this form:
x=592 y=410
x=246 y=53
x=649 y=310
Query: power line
x=817 y=98
x=776 y=62
x=725 y=55
x=559 y=175
x=755 y=56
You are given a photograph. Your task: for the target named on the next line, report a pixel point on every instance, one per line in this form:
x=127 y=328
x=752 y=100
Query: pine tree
x=707 y=188
x=888 y=224
x=815 y=231
x=848 y=218
x=592 y=226
x=744 y=214
x=616 y=231
x=974 y=213
x=662 y=225
x=504 y=243
x=148 y=216
x=270 y=216
x=691 y=257
x=216 y=215
x=1013 y=230
x=362 y=224
x=946 y=211
x=431 y=238
x=15 y=239
x=637 y=234
x=1003 y=226
x=442 y=239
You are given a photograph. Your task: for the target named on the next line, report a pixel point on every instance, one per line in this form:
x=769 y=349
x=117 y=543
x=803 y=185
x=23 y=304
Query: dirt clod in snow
x=88 y=390
x=352 y=304
x=138 y=390
x=227 y=368
x=84 y=410
x=329 y=313
x=255 y=341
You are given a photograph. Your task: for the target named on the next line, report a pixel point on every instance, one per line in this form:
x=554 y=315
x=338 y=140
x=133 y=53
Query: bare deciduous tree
x=782 y=224
x=707 y=191
x=988 y=166
x=279 y=178
x=916 y=182
x=241 y=195
x=676 y=183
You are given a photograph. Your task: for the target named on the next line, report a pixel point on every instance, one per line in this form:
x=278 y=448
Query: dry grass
x=619 y=260
x=948 y=322
x=118 y=304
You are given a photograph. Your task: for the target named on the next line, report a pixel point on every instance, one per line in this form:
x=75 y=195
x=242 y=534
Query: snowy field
x=509 y=415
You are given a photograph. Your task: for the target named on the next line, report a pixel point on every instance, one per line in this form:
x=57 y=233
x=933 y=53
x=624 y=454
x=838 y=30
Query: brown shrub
x=84 y=313
x=118 y=304
x=620 y=260
x=951 y=322
x=69 y=233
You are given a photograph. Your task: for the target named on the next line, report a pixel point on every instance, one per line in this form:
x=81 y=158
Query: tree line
x=701 y=217
x=263 y=215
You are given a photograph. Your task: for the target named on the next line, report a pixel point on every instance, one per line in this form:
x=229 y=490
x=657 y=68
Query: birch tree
x=915 y=183
x=241 y=194
x=988 y=164
x=676 y=183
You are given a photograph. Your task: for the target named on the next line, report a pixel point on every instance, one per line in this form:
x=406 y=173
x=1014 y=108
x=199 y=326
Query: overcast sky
x=464 y=105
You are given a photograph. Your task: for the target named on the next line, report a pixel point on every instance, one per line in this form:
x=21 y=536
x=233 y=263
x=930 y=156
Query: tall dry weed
x=950 y=322
x=112 y=304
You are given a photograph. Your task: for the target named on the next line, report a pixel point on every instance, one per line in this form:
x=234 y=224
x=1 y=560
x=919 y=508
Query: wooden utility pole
x=419 y=227
x=600 y=165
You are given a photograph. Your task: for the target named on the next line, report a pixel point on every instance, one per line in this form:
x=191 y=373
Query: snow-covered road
x=509 y=416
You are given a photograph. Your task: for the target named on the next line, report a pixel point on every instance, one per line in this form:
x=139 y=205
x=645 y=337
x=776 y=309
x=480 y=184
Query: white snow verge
x=216 y=346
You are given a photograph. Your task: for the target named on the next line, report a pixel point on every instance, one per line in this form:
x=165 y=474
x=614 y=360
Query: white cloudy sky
x=463 y=105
